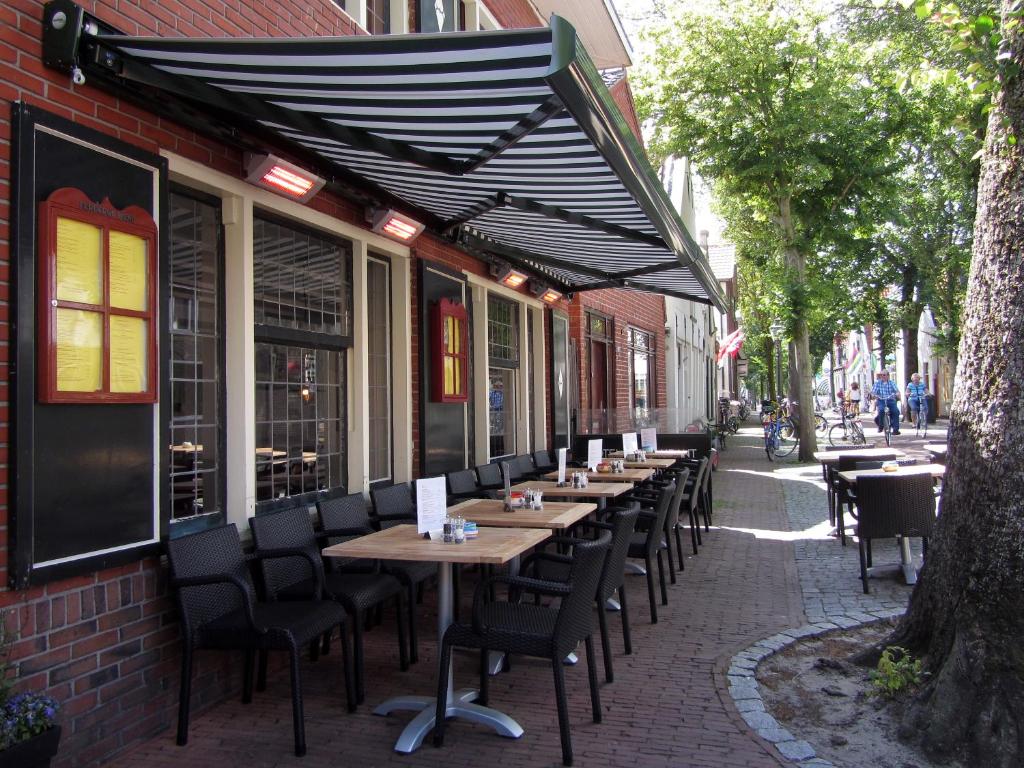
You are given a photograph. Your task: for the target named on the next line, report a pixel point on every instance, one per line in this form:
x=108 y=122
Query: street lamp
x=776 y=329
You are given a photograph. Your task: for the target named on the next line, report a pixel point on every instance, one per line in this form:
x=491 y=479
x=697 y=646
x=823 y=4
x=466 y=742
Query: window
x=641 y=363
x=378 y=294
x=503 y=358
x=197 y=353
x=378 y=17
x=600 y=360
x=302 y=295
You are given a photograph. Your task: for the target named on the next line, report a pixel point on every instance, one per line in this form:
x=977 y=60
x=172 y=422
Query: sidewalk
x=768 y=565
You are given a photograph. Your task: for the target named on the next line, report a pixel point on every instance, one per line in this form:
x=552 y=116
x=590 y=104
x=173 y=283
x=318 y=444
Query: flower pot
x=32 y=753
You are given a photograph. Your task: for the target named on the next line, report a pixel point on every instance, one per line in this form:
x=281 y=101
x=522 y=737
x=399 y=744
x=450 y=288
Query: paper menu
x=431 y=504
x=649 y=438
x=628 y=443
x=561 y=466
x=595 y=453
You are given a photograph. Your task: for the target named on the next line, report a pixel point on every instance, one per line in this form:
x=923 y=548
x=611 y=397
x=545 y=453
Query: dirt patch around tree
x=814 y=692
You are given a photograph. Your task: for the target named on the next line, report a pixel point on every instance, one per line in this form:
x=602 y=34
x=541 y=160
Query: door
x=560 y=380
x=598 y=376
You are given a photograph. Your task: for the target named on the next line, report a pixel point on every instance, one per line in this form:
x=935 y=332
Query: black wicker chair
x=294 y=578
x=463 y=485
x=647 y=544
x=219 y=610
x=396 y=505
x=550 y=566
x=893 y=506
x=549 y=633
x=543 y=461
x=489 y=476
x=692 y=499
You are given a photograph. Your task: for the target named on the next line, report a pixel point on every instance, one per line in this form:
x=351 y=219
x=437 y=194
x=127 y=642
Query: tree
x=966 y=614
x=777 y=114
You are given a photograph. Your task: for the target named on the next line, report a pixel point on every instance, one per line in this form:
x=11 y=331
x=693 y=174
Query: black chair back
x=657 y=526
x=543 y=461
x=672 y=518
x=905 y=462
x=392 y=505
x=525 y=465
x=489 y=476
x=213 y=552
x=291 y=529
x=514 y=473
x=345 y=513
x=576 y=612
x=702 y=469
x=615 y=565
x=898 y=505
x=463 y=483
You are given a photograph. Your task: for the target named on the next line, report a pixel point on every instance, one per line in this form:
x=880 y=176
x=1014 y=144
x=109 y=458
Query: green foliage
x=897 y=671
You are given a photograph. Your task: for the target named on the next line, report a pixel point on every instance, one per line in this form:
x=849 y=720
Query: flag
x=731 y=344
x=856 y=362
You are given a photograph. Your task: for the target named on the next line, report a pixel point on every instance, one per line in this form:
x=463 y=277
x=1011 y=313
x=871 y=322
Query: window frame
x=632 y=349
x=385 y=261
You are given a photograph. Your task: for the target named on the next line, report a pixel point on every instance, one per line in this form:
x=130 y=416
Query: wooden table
x=868 y=454
x=665 y=453
x=935 y=470
x=626 y=476
x=556 y=515
x=650 y=464
x=401 y=542
x=600 y=491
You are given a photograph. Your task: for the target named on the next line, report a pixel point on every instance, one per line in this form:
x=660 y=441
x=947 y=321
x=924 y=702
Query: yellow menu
x=129 y=366
x=79 y=350
x=79 y=262
x=128 y=268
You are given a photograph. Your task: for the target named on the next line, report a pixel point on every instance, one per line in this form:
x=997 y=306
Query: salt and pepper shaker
x=460 y=530
x=449 y=533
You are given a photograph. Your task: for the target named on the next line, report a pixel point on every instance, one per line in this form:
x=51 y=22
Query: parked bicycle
x=780 y=435
x=848 y=431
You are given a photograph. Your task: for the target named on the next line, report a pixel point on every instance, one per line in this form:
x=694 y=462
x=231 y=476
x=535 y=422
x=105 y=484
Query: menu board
x=79 y=350
x=97 y=316
x=649 y=439
x=629 y=445
x=431 y=504
x=595 y=452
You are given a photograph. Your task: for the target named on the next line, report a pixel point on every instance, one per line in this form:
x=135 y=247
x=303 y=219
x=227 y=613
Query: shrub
x=896 y=672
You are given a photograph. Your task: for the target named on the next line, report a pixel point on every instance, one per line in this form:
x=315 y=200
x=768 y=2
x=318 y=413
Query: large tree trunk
x=769 y=356
x=796 y=266
x=966 y=615
x=911 y=315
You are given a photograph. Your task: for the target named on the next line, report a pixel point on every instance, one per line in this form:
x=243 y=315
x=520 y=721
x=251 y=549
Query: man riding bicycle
x=886 y=394
x=917 y=392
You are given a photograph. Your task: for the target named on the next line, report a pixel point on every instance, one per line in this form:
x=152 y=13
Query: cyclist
x=917 y=391
x=886 y=393
x=853 y=400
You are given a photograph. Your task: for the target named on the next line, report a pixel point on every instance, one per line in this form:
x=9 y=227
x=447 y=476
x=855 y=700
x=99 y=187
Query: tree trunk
x=769 y=356
x=911 y=316
x=966 y=615
x=796 y=265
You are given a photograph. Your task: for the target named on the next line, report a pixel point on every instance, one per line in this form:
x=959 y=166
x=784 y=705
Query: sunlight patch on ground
x=822 y=530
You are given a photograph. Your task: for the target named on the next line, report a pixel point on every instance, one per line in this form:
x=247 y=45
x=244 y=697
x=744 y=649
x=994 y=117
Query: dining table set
x=851 y=476
x=505 y=533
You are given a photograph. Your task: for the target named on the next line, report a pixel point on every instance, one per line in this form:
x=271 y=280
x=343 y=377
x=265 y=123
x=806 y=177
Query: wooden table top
x=665 y=453
x=557 y=515
x=627 y=476
x=885 y=454
x=592 y=491
x=494 y=546
x=650 y=464
x=935 y=470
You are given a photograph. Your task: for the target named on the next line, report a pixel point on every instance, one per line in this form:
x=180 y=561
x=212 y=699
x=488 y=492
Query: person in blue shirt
x=886 y=394
x=917 y=392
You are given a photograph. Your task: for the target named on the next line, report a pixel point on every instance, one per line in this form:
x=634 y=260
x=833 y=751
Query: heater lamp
x=282 y=177
x=397 y=226
x=505 y=275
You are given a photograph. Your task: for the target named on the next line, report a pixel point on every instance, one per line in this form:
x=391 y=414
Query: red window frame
x=442 y=310
x=75 y=205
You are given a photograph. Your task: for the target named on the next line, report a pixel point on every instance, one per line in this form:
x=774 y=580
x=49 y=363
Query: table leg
x=907 y=561
x=459 y=702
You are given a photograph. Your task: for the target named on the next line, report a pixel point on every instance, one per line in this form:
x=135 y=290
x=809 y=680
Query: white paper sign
x=561 y=465
x=431 y=504
x=628 y=443
x=595 y=452
x=649 y=439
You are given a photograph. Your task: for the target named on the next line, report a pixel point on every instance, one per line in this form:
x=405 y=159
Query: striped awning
x=507 y=142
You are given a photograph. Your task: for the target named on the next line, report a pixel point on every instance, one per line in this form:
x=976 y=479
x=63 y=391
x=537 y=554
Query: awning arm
x=473 y=240
x=551 y=107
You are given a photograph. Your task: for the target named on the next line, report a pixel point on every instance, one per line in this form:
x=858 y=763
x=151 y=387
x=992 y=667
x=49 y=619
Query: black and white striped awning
x=507 y=141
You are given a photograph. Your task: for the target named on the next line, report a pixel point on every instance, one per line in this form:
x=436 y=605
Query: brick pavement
x=669 y=704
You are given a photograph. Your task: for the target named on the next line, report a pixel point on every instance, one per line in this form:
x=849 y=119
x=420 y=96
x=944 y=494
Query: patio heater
x=776 y=329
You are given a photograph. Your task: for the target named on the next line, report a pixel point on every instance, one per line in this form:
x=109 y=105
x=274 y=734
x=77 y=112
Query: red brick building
x=255 y=347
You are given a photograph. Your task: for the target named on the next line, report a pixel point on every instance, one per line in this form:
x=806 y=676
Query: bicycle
x=847 y=432
x=885 y=421
x=780 y=436
x=921 y=417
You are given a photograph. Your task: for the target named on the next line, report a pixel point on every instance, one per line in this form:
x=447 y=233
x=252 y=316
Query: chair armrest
x=327 y=533
x=533 y=557
x=225 y=578
x=315 y=564
x=550 y=588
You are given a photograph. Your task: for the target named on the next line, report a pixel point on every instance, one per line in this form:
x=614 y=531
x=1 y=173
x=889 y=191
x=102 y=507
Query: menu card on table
x=431 y=504
x=595 y=452
x=649 y=438
x=561 y=466
x=628 y=443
